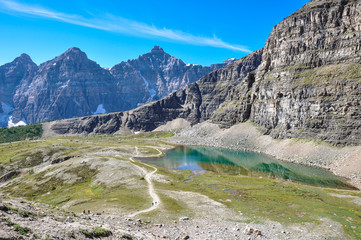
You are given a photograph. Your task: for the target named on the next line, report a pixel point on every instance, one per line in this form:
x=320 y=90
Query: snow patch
x=151 y=91
x=54 y=64
x=12 y=124
x=100 y=110
x=64 y=85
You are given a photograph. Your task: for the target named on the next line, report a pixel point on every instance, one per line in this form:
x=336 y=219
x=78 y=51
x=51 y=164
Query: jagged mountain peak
x=72 y=58
x=156 y=48
x=74 y=52
x=157 y=52
x=24 y=57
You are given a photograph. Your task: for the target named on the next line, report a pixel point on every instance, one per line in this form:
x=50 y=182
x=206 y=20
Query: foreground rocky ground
x=30 y=220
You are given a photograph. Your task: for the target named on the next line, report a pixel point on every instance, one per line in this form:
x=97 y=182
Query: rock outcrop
x=307 y=86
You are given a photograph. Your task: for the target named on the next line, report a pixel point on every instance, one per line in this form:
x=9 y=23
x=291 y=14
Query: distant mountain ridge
x=71 y=85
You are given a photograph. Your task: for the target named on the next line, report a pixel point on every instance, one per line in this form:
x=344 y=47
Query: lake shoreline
x=342 y=162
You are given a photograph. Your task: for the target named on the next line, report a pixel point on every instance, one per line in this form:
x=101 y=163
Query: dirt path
x=155 y=198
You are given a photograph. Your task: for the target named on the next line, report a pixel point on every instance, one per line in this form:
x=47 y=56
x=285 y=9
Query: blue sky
x=199 y=32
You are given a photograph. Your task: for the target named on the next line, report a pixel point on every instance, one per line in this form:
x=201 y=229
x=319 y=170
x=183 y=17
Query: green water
x=224 y=161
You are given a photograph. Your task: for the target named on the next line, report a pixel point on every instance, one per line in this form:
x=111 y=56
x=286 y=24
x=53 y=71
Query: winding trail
x=155 y=198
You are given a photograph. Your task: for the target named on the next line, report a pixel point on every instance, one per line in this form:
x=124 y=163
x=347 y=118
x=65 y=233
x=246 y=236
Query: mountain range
x=304 y=83
x=71 y=85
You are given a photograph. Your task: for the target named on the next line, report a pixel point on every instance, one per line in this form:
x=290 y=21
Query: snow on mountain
x=100 y=110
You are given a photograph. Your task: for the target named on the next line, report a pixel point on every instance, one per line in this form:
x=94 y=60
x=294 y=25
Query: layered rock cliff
x=309 y=83
x=307 y=86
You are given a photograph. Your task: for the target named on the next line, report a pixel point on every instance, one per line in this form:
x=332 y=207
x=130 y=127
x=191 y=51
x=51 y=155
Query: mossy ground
x=259 y=199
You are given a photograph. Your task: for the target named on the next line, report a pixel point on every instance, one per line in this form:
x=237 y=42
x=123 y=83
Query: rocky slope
x=155 y=75
x=308 y=84
x=71 y=85
x=19 y=71
x=195 y=103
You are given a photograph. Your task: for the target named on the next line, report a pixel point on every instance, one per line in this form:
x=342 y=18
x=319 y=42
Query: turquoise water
x=245 y=163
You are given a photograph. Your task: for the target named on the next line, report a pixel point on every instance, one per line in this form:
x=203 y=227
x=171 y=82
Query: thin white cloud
x=118 y=25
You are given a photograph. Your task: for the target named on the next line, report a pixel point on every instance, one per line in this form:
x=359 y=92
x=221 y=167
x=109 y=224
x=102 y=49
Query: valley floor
x=68 y=187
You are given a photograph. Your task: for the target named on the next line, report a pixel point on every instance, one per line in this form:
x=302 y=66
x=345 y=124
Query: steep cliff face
x=309 y=82
x=19 y=71
x=197 y=102
x=68 y=86
x=155 y=75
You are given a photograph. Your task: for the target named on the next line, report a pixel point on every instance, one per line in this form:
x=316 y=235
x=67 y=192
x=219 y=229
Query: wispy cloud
x=117 y=24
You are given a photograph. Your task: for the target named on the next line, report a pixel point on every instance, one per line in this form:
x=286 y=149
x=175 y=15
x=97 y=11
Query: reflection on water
x=245 y=163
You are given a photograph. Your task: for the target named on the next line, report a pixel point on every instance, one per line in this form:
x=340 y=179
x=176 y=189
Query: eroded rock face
x=19 y=71
x=71 y=85
x=68 y=86
x=197 y=102
x=155 y=75
x=309 y=82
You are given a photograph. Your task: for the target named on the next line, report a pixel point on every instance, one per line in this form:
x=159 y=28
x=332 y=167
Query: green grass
x=20 y=133
x=21 y=230
x=276 y=200
x=97 y=232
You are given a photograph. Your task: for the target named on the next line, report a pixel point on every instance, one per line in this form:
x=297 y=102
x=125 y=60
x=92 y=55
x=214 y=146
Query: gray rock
x=71 y=85
x=20 y=71
x=197 y=102
x=155 y=75
x=68 y=86
x=6 y=236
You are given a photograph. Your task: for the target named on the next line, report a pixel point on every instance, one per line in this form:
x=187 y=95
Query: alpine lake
x=222 y=161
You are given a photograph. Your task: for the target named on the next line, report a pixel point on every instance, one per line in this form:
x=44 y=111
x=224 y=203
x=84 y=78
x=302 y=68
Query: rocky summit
x=18 y=72
x=71 y=85
x=68 y=86
x=155 y=75
x=307 y=84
